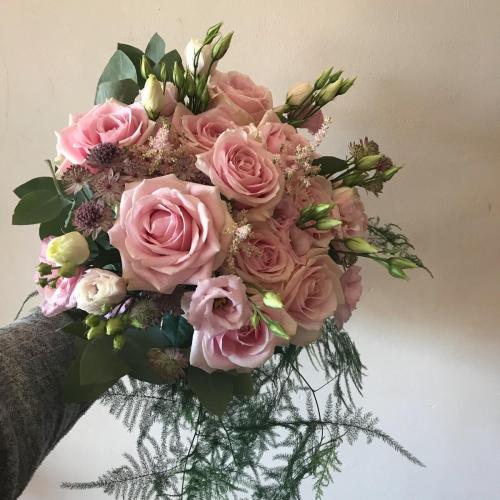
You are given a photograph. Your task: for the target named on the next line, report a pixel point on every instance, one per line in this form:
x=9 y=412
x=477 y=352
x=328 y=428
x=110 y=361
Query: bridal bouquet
x=200 y=244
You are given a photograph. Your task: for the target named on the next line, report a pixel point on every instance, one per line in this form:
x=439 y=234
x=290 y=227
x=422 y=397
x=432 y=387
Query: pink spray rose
x=265 y=259
x=243 y=92
x=241 y=349
x=198 y=133
x=61 y=298
x=217 y=305
x=311 y=295
x=170 y=232
x=243 y=170
x=352 y=288
x=112 y=122
x=351 y=212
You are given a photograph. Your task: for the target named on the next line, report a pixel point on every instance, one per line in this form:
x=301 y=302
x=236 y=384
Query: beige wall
x=429 y=92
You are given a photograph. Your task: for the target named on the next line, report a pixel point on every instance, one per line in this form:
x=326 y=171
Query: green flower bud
x=92 y=320
x=146 y=68
x=277 y=329
x=272 y=300
x=97 y=331
x=163 y=71
x=152 y=97
x=106 y=308
x=402 y=263
x=43 y=282
x=390 y=173
x=212 y=32
x=396 y=272
x=328 y=93
x=323 y=79
x=189 y=84
x=71 y=248
x=118 y=342
x=322 y=210
x=255 y=319
x=178 y=75
x=114 y=326
x=360 y=245
x=67 y=270
x=346 y=85
x=298 y=93
x=220 y=48
x=44 y=269
x=327 y=223
x=333 y=78
x=368 y=162
x=205 y=98
x=354 y=179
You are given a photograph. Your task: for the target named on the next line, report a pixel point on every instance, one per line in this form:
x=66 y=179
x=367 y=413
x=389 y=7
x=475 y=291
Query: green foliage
x=155 y=48
x=262 y=447
x=36 y=184
x=38 y=206
x=330 y=165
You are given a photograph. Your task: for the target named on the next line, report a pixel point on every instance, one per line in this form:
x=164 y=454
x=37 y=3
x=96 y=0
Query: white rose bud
x=71 y=248
x=98 y=288
x=152 y=97
x=204 y=59
x=299 y=93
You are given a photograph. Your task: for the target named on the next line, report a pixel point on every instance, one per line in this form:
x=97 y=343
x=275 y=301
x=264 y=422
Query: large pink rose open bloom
x=198 y=133
x=241 y=349
x=352 y=289
x=112 y=122
x=242 y=91
x=311 y=295
x=265 y=259
x=243 y=170
x=170 y=232
x=217 y=305
x=61 y=298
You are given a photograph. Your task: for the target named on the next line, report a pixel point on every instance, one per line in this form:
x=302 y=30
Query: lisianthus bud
x=402 y=263
x=163 y=71
x=328 y=93
x=71 y=248
x=360 y=245
x=277 y=329
x=44 y=269
x=97 y=331
x=204 y=59
x=114 y=326
x=327 y=223
x=118 y=342
x=390 y=173
x=98 y=288
x=178 y=75
x=368 y=162
x=212 y=32
x=92 y=320
x=323 y=79
x=346 y=85
x=299 y=93
x=272 y=300
x=397 y=272
x=221 y=47
x=152 y=97
x=146 y=69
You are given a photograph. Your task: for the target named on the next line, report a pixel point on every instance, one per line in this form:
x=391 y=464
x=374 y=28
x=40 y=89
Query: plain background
x=429 y=93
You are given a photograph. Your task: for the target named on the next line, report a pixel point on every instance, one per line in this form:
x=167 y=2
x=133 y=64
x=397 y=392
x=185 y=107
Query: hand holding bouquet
x=199 y=241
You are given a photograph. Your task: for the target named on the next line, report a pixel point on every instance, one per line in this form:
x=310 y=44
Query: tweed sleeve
x=34 y=357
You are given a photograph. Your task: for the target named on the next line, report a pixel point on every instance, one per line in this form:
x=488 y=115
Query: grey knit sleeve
x=33 y=416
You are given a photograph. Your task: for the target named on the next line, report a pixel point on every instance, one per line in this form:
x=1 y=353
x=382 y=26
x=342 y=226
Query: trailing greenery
x=262 y=447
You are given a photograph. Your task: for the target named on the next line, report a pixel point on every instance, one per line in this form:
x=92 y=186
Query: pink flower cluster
x=231 y=235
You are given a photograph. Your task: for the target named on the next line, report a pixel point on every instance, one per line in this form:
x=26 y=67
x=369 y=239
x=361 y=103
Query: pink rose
x=351 y=212
x=241 y=349
x=311 y=295
x=198 y=133
x=61 y=298
x=243 y=170
x=111 y=122
x=243 y=92
x=217 y=305
x=170 y=232
x=352 y=288
x=265 y=259
x=280 y=138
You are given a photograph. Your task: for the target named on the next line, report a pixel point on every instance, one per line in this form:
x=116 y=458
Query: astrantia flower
x=102 y=154
x=169 y=364
x=75 y=179
x=92 y=217
x=107 y=186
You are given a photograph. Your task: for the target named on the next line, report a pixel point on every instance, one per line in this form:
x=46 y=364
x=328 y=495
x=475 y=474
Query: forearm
x=34 y=357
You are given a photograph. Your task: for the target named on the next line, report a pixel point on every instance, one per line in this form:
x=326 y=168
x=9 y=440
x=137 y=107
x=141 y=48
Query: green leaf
x=214 y=390
x=38 y=206
x=135 y=55
x=57 y=226
x=122 y=90
x=177 y=330
x=243 y=385
x=100 y=363
x=75 y=328
x=169 y=59
x=119 y=67
x=36 y=184
x=330 y=165
x=156 y=48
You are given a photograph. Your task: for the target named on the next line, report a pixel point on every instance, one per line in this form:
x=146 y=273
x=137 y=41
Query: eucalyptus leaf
x=99 y=363
x=156 y=48
x=122 y=90
x=38 y=206
x=330 y=165
x=169 y=59
x=119 y=67
x=36 y=184
x=135 y=55
x=214 y=390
